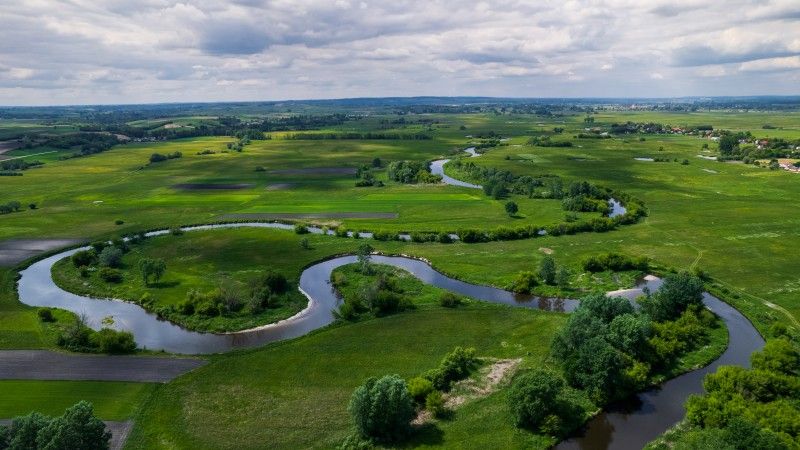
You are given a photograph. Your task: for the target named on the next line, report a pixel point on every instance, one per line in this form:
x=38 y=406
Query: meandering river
x=628 y=425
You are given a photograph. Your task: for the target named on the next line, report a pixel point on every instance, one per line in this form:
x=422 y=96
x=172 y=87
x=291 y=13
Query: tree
x=364 y=255
x=376 y=162
x=778 y=355
x=382 y=408
x=533 y=397
x=511 y=208
x=23 y=431
x=110 y=257
x=597 y=368
x=77 y=428
x=728 y=144
x=562 y=277
x=152 y=268
x=547 y=270
x=677 y=293
x=629 y=334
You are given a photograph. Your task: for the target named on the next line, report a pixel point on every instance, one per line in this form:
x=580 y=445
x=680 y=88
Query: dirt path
x=49 y=365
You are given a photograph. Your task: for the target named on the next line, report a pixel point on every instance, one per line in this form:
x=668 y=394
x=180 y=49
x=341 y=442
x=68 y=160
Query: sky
x=152 y=51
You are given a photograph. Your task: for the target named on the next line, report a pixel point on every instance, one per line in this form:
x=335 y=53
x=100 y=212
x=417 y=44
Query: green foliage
x=77 y=428
x=755 y=407
x=382 y=409
x=300 y=228
x=672 y=338
x=615 y=262
x=419 y=388
x=449 y=299
x=511 y=208
x=455 y=366
x=676 y=294
x=84 y=258
x=364 y=255
x=46 y=315
x=547 y=270
x=410 y=172
x=538 y=402
x=114 y=342
x=434 y=403
x=110 y=275
x=152 y=267
x=524 y=283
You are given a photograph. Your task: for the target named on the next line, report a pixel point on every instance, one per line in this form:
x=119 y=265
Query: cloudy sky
x=144 y=51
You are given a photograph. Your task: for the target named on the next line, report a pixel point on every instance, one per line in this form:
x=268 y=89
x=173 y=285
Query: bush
x=110 y=275
x=445 y=238
x=176 y=231
x=547 y=270
x=111 y=341
x=676 y=294
x=111 y=256
x=615 y=262
x=449 y=299
x=46 y=315
x=419 y=388
x=382 y=409
x=434 y=403
x=534 y=397
x=524 y=283
x=300 y=228
x=470 y=236
x=455 y=366
x=84 y=258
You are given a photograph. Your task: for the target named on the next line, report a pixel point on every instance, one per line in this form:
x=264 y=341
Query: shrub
x=84 y=258
x=119 y=222
x=111 y=256
x=470 y=236
x=524 y=283
x=176 y=231
x=676 y=294
x=434 y=403
x=455 y=366
x=300 y=228
x=449 y=299
x=445 y=238
x=111 y=341
x=382 y=409
x=533 y=397
x=511 y=208
x=615 y=262
x=547 y=270
x=383 y=235
x=110 y=275
x=419 y=388
x=46 y=315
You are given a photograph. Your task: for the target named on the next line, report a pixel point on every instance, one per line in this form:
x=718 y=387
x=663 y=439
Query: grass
x=111 y=400
x=294 y=394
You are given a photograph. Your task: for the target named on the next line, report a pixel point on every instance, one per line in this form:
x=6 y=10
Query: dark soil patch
x=279 y=186
x=48 y=365
x=13 y=251
x=7 y=146
x=211 y=186
x=317 y=171
x=289 y=216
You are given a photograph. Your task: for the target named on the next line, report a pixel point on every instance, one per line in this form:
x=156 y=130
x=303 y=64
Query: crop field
x=736 y=224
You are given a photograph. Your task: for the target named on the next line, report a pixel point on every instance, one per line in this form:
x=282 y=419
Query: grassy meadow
x=738 y=223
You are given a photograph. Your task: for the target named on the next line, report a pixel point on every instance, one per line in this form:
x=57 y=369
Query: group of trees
x=158 y=157
x=264 y=291
x=383 y=408
x=546 y=141
x=609 y=350
x=548 y=273
x=14 y=166
x=78 y=337
x=359 y=136
x=77 y=428
x=754 y=408
x=13 y=206
x=103 y=257
x=411 y=172
x=615 y=262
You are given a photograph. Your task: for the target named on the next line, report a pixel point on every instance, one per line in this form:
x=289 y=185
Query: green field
x=111 y=400
x=737 y=223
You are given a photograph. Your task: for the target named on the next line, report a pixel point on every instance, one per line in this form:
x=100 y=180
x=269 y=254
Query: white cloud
x=85 y=51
